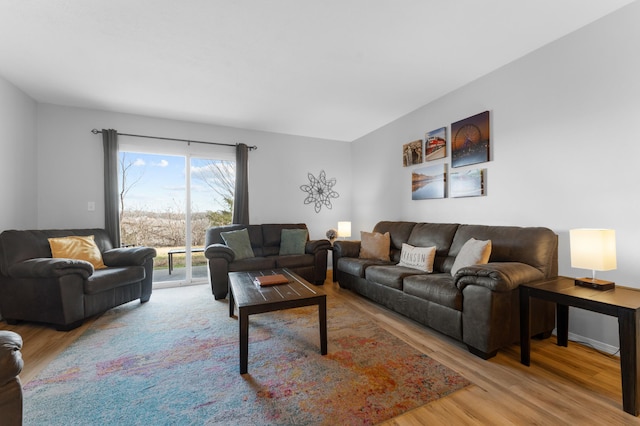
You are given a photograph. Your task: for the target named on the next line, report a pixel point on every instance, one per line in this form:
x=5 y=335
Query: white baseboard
x=594 y=344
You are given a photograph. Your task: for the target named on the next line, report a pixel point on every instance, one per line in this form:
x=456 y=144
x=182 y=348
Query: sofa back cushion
x=534 y=246
x=255 y=236
x=19 y=245
x=439 y=235
x=398 y=232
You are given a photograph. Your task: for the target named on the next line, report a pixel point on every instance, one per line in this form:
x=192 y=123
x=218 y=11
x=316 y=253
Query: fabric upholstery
x=420 y=258
x=79 y=248
x=239 y=242
x=473 y=252
x=293 y=241
x=375 y=245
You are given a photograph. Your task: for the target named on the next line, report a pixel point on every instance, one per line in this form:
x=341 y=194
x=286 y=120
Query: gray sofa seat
x=265 y=242
x=479 y=305
x=34 y=286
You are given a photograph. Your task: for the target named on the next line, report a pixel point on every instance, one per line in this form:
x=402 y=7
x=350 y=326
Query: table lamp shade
x=344 y=229
x=593 y=249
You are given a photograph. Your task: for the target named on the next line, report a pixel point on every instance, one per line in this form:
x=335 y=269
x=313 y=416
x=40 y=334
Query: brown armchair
x=10 y=386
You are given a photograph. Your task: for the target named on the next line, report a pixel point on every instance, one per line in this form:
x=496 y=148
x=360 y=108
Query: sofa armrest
x=50 y=268
x=315 y=246
x=219 y=251
x=10 y=357
x=497 y=276
x=346 y=249
x=128 y=256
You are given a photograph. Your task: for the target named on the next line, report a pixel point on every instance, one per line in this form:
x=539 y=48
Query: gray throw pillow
x=293 y=241
x=239 y=242
x=473 y=252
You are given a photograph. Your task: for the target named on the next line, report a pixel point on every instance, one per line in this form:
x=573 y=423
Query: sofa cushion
x=389 y=275
x=399 y=233
x=374 y=245
x=78 y=248
x=356 y=266
x=239 y=242
x=292 y=241
x=473 y=252
x=295 y=261
x=420 y=258
x=252 y=264
x=109 y=278
x=436 y=288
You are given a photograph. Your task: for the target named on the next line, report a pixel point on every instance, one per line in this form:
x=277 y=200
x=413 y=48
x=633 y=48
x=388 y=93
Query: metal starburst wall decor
x=320 y=191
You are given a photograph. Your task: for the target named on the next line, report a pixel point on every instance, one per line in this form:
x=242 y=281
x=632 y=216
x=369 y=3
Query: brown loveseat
x=36 y=287
x=265 y=243
x=478 y=305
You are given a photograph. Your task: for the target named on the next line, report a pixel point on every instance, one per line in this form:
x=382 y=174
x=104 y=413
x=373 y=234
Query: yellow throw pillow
x=79 y=248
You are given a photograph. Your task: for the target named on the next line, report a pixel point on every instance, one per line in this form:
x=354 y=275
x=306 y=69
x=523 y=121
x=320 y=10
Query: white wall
x=565 y=151
x=18 y=171
x=71 y=173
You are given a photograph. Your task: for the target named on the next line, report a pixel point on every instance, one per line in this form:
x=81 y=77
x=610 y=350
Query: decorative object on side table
x=331 y=235
x=593 y=249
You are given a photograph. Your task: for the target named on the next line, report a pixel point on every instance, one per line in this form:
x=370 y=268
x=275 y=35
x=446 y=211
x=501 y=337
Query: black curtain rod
x=251 y=148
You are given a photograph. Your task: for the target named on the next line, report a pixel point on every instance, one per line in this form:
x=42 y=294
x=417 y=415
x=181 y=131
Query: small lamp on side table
x=344 y=229
x=593 y=249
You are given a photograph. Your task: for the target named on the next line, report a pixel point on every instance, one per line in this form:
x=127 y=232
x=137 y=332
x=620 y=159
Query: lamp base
x=595 y=283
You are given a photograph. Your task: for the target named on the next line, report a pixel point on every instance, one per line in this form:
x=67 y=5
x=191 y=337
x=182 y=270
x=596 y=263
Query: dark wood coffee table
x=252 y=299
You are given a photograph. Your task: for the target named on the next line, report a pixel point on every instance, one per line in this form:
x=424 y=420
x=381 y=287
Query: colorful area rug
x=174 y=360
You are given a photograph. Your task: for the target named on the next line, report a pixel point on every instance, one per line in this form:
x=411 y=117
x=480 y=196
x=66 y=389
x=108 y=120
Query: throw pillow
x=78 y=248
x=374 y=245
x=239 y=242
x=473 y=252
x=293 y=241
x=417 y=257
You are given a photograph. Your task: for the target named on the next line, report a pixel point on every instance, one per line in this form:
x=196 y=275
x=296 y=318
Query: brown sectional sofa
x=265 y=242
x=479 y=305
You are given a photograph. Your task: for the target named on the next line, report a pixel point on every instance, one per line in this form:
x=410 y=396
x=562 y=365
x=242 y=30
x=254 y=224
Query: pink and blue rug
x=174 y=361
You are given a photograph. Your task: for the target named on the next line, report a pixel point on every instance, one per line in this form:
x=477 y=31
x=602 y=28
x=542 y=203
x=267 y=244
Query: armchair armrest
x=497 y=276
x=346 y=249
x=10 y=357
x=128 y=256
x=50 y=268
x=315 y=246
x=220 y=251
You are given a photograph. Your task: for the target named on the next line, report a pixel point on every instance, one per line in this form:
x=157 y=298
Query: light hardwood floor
x=575 y=385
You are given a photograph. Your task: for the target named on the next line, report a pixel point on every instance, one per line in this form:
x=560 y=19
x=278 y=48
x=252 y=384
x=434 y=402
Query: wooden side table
x=620 y=302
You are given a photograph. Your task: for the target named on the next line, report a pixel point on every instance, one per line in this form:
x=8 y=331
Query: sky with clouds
x=158 y=184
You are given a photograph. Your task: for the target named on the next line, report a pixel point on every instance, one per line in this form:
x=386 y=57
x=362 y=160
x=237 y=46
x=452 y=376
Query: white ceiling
x=335 y=69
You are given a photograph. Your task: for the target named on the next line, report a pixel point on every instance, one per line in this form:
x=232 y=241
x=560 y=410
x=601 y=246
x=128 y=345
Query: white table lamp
x=593 y=249
x=344 y=229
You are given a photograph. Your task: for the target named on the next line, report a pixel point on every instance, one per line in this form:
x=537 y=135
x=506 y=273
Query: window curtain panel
x=241 y=197
x=111 y=204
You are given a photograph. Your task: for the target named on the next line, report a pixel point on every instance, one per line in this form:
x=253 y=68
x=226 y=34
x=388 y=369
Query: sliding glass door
x=168 y=202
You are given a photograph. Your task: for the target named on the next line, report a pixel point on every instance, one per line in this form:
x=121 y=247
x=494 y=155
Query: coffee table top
x=246 y=293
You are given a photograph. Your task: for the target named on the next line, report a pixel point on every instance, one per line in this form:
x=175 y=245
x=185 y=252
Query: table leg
x=232 y=303
x=525 y=328
x=322 y=318
x=562 y=316
x=170 y=262
x=244 y=340
x=628 y=326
